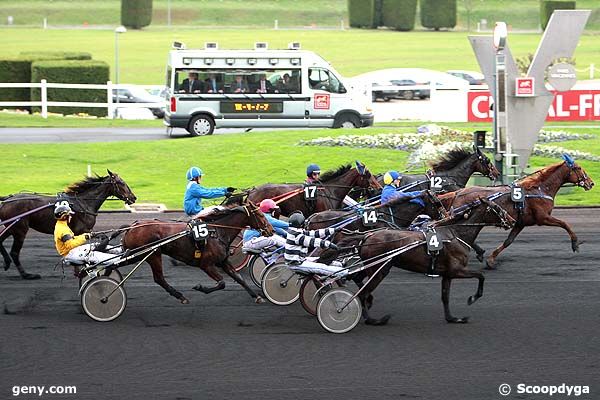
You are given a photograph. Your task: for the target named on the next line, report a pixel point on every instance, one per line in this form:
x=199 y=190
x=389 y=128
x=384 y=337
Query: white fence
x=44 y=103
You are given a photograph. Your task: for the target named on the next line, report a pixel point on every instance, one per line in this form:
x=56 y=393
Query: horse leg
x=5 y=255
x=491 y=261
x=15 y=250
x=552 y=221
x=229 y=270
x=446 y=282
x=366 y=298
x=211 y=271
x=479 y=251
x=155 y=261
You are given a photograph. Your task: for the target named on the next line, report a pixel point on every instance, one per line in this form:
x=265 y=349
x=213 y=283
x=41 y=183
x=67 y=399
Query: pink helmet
x=267 y=205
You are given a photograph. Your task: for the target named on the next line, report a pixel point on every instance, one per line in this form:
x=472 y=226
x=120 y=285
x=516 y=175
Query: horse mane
x=329 y=175
x=533 y=180
x=85 y=184
x=450 y=160
x=217 y=214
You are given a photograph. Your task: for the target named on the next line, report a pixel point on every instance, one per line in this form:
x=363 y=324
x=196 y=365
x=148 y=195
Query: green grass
x=9 y=120
x=521 y=14
x=155 y=170
x=143 y=54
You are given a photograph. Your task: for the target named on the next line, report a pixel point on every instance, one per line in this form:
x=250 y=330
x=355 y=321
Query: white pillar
x=342 y=24
x=45 y=23
x=592 y=70
x=109 y=99
x=44 y=98
x=276 y=25
x=89 y=170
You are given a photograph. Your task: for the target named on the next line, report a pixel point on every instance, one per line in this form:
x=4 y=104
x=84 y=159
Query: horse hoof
x=480 y=257
x=378 y=322
x=489 y=266
x=6 y=266
x=185 y=301
x=259 y=300
x=471 y=300
x=199 y=288
x=455 y=320
x=31 y=277
x=575 y=247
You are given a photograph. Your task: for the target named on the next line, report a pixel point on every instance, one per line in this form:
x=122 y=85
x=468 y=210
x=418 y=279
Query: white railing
x=110 y=105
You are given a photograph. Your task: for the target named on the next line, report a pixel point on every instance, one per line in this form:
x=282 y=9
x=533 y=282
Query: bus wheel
x=347 y=121
x=201 y=125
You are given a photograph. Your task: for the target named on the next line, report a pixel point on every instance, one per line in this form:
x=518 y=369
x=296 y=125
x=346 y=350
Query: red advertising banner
x=574 y=105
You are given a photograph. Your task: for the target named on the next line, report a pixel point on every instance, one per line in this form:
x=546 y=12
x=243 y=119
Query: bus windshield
x=239 y=81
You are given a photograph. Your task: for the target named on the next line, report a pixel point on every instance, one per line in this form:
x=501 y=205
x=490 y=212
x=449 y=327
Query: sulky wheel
x=237 y=257
x=98 y=305
x=280 y=284
x=114 y=274
x=256 y=267
x=333 y=314
x=308 y=289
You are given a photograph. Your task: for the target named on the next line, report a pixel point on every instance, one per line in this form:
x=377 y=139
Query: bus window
x=322 y=79
x=246 y=81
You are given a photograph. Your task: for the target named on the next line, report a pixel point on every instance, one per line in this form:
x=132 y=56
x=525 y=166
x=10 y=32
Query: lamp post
x=118 y=30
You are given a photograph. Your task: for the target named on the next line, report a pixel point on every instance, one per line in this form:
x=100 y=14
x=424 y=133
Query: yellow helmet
x=390 y=177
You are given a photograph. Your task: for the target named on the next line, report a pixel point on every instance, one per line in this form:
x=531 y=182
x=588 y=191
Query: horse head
x=576 y=174
x=368 y=180
x=120 y=189
x=257 y=219
x=484 y=165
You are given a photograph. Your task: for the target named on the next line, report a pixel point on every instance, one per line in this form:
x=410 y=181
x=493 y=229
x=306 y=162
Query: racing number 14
x=369 y=217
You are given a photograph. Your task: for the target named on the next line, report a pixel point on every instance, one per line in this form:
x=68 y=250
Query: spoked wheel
x=97 y=303
x=114 y=274
x=280 y=284
x=237 y=258
x=256 y=267
x=308 y=290
x=332 y=317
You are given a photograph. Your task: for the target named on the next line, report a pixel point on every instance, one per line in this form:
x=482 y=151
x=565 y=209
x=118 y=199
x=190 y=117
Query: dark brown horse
x=453 y=170
x=85 y=197
x=457 y=234
x=396 y=214
x=334 y=186
x=226 y=225
x=539 y=189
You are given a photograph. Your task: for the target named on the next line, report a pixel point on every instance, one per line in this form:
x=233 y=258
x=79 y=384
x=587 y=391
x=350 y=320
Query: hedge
x=363 y=13
x=547 y=7
x=57 y=55
x=72 y=71
x=438 y=14
x=136 y=14
x=18 y=70
x=399 y=14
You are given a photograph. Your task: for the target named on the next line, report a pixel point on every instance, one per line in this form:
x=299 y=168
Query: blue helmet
x=193 y=173
x=390 y=177
x=312 y=168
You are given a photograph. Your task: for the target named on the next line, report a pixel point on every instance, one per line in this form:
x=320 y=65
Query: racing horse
x=539 y=189
x=456 y=232
x=397 y=214
x=224 y=224
x=450 y=171
x=333 y=187
x=85 y=197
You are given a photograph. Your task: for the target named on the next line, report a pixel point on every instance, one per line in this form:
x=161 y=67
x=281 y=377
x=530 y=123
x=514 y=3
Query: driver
x=313 y=174
x=73 y=248
x=194 y=193
x=390 y=192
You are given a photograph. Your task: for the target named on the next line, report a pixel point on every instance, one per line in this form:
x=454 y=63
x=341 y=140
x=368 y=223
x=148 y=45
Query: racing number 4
x=433 y=242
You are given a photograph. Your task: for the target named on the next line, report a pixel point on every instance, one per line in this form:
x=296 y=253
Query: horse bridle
x=581 y=179
x=117 y=190
x=485 y=162
x=252 y=213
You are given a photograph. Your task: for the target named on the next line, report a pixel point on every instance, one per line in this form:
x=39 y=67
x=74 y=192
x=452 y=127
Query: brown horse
x=85 y=197
x=226 y=224
x=334 y=186
x=539 y=189
x=457 y=234
x=396 y=214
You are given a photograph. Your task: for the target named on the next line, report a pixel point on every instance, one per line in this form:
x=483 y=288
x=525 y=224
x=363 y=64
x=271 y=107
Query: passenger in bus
x=265 y=86
x=191 y=84
x=211 y=84
x=239 y=85
x=284 y=84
